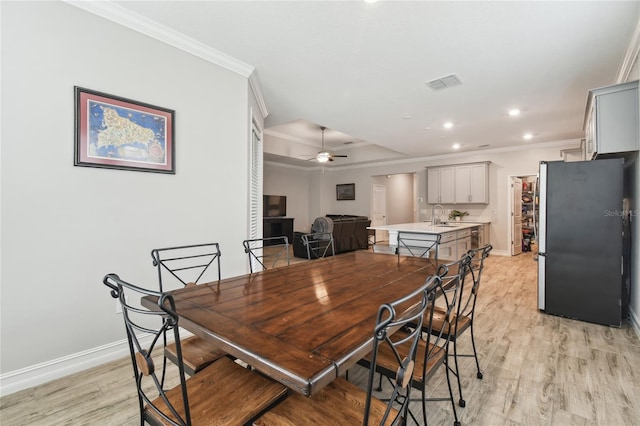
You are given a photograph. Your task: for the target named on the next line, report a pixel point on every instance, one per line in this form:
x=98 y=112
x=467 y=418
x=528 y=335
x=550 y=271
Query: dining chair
x=462 y=319
x=186 y=266
x=432 y=349
x=222 y=393
x=265 y=253
x=411 y=244
x=343 y=403
x=318 y=245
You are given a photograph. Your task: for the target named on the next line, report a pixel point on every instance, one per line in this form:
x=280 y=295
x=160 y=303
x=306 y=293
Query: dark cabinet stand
x=277 y=227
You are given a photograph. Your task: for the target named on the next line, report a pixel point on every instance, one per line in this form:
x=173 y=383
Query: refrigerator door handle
x=541 y=281
x=542 y=233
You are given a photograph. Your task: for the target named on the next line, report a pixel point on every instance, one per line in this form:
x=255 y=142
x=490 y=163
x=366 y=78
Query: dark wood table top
x=303 y=324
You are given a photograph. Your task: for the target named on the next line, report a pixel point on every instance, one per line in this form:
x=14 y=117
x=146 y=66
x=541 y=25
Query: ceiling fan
x=324 y=155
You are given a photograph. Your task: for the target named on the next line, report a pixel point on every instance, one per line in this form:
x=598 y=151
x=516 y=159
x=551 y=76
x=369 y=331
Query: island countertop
x=426 y=227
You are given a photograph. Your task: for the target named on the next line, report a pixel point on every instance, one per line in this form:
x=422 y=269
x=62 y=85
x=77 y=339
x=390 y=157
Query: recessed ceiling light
x=426 y=128
x=407 y=117
x=527 y=136
x=456 y=146
x=448 y=125
x=370 y=1
x=514 y=112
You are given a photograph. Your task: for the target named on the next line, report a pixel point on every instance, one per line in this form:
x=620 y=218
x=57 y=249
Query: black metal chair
x=341 y=402
x=432 y=351
x=462 y=320
x=185 y=266
x=318 y=245
x=415 y=245
x=223 y=390
x=265 y=253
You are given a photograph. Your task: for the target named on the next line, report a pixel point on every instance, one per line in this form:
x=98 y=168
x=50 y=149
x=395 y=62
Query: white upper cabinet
x=479 y=183
x=440 y=185
x=611 y=120
x=462 y=184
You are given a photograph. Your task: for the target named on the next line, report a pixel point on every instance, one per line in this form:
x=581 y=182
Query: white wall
x=293 y=183
x=399 y=197
x=64 y=227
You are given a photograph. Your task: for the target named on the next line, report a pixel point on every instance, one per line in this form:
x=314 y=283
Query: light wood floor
x=538 y=370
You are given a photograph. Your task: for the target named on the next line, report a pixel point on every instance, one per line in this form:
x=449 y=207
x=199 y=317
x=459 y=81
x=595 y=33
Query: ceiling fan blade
x=341 y=156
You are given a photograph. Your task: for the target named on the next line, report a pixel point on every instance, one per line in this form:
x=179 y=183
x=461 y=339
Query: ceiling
x=361 y=69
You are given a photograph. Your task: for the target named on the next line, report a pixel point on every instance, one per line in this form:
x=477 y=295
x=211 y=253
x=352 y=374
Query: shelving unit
x=530 y=200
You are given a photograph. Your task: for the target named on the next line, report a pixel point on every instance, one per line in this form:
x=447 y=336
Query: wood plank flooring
x=538 y=370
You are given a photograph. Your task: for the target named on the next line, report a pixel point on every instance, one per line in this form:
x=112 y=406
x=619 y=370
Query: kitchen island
x=455 y=237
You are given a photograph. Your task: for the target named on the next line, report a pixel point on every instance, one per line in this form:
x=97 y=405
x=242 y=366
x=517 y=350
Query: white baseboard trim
x=500 y=253
x=38 y=374
x=44 y=372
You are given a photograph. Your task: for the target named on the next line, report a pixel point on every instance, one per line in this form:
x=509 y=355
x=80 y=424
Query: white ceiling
x=360 y=69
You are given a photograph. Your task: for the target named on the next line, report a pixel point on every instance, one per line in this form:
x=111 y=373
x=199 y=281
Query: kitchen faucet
x=435 y=220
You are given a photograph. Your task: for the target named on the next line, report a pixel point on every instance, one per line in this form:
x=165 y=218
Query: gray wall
x=65 y=227
x=399 y=197
x=294 y=184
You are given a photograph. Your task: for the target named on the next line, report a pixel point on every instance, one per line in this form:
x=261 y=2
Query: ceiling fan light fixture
x=322 y=157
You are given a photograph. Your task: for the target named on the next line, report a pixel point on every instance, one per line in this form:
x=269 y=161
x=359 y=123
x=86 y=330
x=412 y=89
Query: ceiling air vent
x=444 y=82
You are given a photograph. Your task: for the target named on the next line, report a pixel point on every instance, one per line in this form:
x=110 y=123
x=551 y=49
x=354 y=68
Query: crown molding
x=254 y=83
x=122 y=16
x=290 y=166
x=571 y=143
x=631 y=55
x=541 y=145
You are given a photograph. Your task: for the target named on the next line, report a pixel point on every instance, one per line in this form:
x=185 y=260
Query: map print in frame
x=118 y=133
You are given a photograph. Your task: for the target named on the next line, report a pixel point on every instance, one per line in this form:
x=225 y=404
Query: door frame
x=379 y=235
x=510 y=207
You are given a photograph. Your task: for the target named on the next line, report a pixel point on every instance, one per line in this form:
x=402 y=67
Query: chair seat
x=224 y=393
x=439 y=322
x=197 y=353
x=340 y=403
x=387 y=363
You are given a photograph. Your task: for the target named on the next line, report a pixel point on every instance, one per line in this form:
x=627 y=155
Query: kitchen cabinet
x=440 y=185
x=459 y=184
x=471 y=184
x=484 y=235
x=611 y=122
x=480 y=236
x=454 y=244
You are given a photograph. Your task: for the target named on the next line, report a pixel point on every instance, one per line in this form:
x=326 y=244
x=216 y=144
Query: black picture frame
x=117 y=133
x=346 y=191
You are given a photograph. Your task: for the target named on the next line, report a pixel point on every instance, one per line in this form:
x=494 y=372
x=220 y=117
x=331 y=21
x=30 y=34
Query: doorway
x=523 y=202
x=393 y=201
x=379 y=211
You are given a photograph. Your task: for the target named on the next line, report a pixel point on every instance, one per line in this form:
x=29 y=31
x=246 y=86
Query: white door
x=516 y=216
x=379 y=213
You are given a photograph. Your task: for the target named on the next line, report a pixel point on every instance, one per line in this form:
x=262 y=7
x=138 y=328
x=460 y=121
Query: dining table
x=304 y=324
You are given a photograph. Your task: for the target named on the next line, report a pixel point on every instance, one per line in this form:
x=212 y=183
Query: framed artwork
x=346 y=191
x=118 y=133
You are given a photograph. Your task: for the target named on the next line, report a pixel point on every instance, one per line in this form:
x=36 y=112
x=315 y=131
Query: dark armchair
x=349 y=234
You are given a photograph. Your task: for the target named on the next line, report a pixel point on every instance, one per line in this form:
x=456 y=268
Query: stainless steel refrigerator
x=580 y=252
